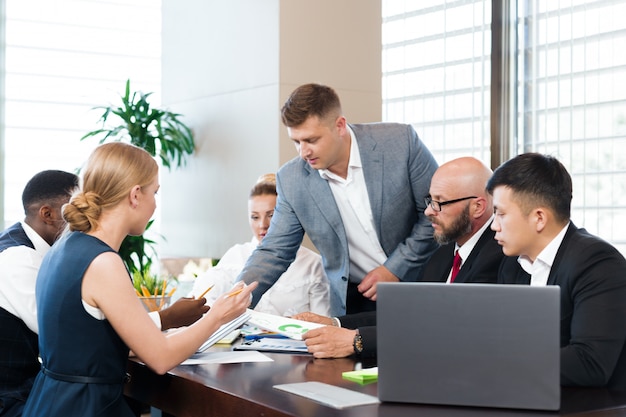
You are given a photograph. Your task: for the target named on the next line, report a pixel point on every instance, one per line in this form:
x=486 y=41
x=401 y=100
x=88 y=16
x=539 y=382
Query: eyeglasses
x=436 y=205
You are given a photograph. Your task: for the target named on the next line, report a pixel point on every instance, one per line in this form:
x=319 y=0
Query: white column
x=228 y=67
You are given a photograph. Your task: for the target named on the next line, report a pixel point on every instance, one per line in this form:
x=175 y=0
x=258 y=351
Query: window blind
x=61 y=59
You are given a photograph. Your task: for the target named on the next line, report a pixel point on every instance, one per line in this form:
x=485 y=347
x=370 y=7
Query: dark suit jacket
x=480 y=267
x=592 y=277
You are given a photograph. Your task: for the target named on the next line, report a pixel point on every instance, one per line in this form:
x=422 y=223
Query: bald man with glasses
x=468 y=251
x=461 y=211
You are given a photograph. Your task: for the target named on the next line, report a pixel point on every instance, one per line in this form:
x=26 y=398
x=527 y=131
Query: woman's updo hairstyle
x=112 y=170
x=265 y=185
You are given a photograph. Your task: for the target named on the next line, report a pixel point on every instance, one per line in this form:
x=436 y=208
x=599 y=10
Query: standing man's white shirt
x=353 y=202
x=19 y=266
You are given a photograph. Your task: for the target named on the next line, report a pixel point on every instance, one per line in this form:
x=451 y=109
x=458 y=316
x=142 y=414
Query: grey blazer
x=397 y=169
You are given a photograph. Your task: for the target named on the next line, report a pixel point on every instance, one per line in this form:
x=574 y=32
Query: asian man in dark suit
x=460 y=212
x=532 y=196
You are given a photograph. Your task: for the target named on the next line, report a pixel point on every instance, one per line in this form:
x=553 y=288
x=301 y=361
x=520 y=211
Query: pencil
x=205 y=291
x=145 y=291
x=235 y=292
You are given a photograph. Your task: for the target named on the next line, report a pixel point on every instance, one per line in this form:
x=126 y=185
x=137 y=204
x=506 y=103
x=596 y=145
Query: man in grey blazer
x=461 y=212
x=358 y=192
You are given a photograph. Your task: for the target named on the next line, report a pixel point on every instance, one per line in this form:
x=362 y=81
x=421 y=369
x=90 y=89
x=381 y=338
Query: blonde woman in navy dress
x=88 y=313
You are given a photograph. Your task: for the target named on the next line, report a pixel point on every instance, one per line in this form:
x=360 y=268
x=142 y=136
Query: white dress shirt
x=353 y=202
x=303 y=287
x=19 y=266
x=540 y=269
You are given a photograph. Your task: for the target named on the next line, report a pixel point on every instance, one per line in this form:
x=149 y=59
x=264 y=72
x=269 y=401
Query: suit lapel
x=571 y=230
x=468 y=264
x=445 y=265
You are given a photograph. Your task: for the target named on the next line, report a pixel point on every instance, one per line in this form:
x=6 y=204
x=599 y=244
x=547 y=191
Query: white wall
x=228 y=67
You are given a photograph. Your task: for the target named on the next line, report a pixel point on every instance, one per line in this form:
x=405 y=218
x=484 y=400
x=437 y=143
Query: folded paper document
x=286 y=326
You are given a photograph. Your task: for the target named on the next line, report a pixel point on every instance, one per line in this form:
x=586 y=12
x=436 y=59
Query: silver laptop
x=482 y=345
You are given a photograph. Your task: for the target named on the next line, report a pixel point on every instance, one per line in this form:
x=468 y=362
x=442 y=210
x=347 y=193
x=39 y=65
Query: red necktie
x=456 y=265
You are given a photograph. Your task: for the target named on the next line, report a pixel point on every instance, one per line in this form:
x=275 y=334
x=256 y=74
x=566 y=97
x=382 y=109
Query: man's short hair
x=536 y=180
x=48 y=186
x=309 y=100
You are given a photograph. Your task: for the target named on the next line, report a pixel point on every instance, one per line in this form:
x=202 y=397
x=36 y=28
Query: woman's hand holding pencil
x=234 y=303
x=234 y=292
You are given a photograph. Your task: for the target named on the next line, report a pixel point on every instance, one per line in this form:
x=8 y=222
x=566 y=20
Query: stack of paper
x=224 y=330
x=229 y=338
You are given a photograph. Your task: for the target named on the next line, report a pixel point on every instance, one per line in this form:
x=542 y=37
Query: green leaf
x=162 y=134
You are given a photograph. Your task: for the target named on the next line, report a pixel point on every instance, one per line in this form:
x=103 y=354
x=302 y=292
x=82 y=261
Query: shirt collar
x=466 y=249
x=39 y=243
x=354 y=162
x=547 y=255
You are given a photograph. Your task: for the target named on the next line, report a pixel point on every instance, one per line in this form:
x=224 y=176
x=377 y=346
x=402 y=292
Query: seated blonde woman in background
x=303 y=287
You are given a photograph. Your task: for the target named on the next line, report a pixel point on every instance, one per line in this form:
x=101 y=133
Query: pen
x=265 y=336
x=205 y=291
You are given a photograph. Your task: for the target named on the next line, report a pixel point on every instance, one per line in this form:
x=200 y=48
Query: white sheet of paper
x=227 y=357
x=327 y=394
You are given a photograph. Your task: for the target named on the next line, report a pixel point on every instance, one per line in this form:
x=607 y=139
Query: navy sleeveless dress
x=84 y=360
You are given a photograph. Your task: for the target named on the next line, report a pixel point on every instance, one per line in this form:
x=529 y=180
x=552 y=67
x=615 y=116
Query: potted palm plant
x=162 y=134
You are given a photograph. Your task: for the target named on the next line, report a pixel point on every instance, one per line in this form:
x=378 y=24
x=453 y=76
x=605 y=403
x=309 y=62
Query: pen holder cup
x=155 y=303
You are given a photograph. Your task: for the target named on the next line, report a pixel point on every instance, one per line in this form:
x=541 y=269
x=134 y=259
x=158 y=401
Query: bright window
x=570 y=95
x=572 y=102
x=436 y=73
x=62 y=58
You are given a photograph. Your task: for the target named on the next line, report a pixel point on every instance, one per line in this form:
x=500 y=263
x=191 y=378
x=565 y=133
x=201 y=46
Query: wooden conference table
x=245 y=389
